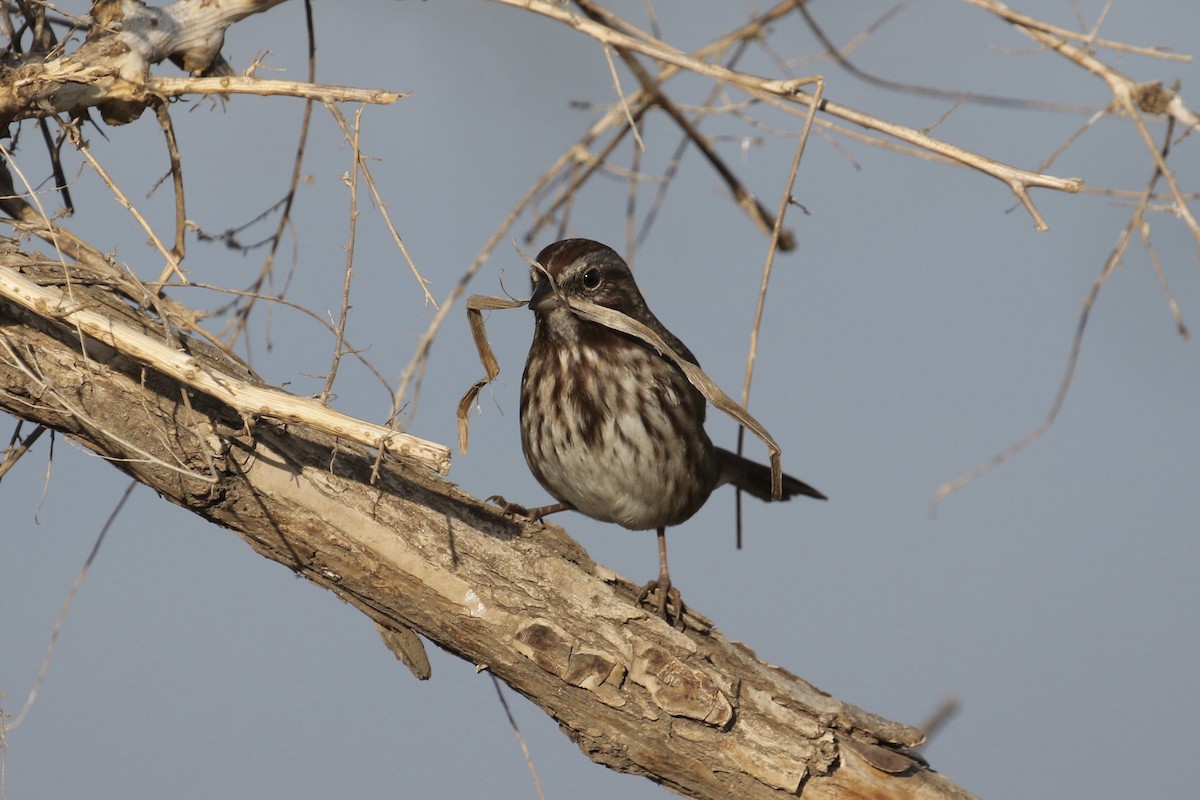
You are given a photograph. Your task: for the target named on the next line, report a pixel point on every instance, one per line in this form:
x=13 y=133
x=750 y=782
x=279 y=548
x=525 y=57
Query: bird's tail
x=755 y=478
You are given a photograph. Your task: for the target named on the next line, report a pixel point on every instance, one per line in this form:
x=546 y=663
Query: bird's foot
x=532 y=514
x=664 y=600
x=509 y=509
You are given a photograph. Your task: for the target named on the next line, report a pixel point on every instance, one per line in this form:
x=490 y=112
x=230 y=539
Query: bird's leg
x=535 y=514
x=668 y=595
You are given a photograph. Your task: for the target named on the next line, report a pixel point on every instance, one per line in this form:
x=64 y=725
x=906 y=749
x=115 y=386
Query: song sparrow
x=610 y=427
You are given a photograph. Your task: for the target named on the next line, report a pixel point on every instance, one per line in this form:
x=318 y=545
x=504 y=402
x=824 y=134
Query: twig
x=1168 y=295
x=785 y=200
x=340 y=327
x=367 y=176
x=285 y=218
x=1130 y=96
x=164 y=121
x=672 y=167
x=612 y=68
x=18 y=447
x=306 y=311
x=788 y=91
x=579 y=153
x=956 y=98
x=1110 y=264
x=411 y=376
x=537 y=783
x=631 y=200
x=172 y=267
x=167 y=87
x=745 y=198
x=62 y=614
x=387 y=220
x=1066 y=33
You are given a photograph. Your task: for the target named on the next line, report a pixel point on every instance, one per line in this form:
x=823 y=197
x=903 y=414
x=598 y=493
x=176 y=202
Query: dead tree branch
x=111 y=70
x=695 y=712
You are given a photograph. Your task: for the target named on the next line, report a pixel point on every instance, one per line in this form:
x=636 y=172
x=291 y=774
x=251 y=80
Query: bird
x=611 y=427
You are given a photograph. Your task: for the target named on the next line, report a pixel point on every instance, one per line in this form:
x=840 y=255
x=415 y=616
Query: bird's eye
x=591 y=278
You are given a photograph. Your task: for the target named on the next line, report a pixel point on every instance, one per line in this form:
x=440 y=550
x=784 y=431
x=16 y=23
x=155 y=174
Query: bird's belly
x=623 y=473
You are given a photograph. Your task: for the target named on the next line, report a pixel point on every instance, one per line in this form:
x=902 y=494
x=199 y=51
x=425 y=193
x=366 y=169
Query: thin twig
x=744 y=198
x=164 y=121
x=62 y=614
x=785 y=200
x=1131 y=97
x=954 y=97
x=1066 y=33
x=369 y=179
x=537 y=783
x=580 y=153
x=172 y=266
x=1110 y=264
x=306 y=311
x=340 y=327
x=612 y=69
x=387 y=220
x=18 y=447
x=266 y=87
x=788 y=91
x=410 y=378
x=631 y=200
x=1168 y=295
x=672 y=167
x=285 y=218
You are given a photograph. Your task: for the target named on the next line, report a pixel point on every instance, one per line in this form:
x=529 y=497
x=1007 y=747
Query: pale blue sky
x=921 y=326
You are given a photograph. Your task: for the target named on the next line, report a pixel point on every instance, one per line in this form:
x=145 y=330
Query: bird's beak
x=544 y=299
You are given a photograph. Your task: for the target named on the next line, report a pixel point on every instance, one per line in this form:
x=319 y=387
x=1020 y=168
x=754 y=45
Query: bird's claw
x=668 y=603
x=532 y=514
x=509 y=509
